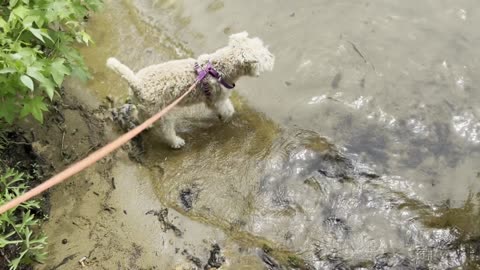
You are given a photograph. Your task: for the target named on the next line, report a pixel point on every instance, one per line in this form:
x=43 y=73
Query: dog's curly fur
x=156 y=86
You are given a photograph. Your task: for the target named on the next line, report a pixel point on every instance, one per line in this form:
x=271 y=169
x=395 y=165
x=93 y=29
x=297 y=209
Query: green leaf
x=86 y=37
x=12 y=3
x=27 y=234
x=20 y=12
x=3 y=24
x=46 y=83
x=7 y=70
x=27 y=81
x=73 y=23
x=49 y=88
x=4 y=240
x=40 y=34
x=34 y=106
x=29 y=20
x=34 y=72
x=81 y=73
x=16 y=56
x=36 y=33
x=59 y=70
x=27 y=220
x=41 y=257
x=15 y=263
x=27 y=55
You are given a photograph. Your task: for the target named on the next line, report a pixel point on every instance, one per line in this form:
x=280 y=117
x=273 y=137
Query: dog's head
x=254 y=55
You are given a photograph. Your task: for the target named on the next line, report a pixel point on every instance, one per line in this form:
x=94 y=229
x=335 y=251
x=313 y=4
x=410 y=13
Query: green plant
x=17 y=225
x=37 y=41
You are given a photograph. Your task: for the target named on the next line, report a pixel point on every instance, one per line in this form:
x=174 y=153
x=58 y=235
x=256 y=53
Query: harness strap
x=210 y=70
x=202 y=74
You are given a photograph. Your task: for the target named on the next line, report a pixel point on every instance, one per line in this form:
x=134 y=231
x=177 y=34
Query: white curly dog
x=156 y=86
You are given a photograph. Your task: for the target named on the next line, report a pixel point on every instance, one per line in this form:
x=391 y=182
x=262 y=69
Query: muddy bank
x=108 y=215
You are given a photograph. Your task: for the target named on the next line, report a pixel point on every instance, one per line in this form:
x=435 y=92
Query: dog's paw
x=177 y=143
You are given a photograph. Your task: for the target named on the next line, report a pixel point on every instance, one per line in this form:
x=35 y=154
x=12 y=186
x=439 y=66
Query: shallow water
x=392 y=86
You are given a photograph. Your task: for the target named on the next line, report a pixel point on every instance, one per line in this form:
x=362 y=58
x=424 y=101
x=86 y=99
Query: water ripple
x=467 y=126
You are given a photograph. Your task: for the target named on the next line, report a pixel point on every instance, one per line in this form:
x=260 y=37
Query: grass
x=21 y=245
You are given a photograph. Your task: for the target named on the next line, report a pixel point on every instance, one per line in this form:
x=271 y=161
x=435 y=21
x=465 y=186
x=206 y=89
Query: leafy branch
x=37 y=40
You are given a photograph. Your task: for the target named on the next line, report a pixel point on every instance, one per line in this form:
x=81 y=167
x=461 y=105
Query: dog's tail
x=123 y=70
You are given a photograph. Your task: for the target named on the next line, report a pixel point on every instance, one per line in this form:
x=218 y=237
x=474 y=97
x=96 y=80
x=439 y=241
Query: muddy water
x=392 y=86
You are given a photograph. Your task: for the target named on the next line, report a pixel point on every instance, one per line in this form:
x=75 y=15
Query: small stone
x=188 y=196
x=292 y=14
x=64 y=241
x=287 y=83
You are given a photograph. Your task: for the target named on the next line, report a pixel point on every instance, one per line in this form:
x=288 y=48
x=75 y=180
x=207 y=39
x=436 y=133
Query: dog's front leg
x=224 y=109
x=167 y=129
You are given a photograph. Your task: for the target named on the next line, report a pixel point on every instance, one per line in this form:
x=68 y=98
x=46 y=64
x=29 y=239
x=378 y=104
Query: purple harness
x=210 y=70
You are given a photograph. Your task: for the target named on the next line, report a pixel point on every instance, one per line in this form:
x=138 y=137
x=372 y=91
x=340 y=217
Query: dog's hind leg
x=167 y=132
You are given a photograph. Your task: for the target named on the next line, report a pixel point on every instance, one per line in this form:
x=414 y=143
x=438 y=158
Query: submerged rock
x=388 y=261
x=335 y=165
x=188 y=196
x=270 y=263
x=216 y=260
x=338 y=227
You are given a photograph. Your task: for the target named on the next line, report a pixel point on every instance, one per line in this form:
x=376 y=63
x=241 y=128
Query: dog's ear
x=237 y=38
